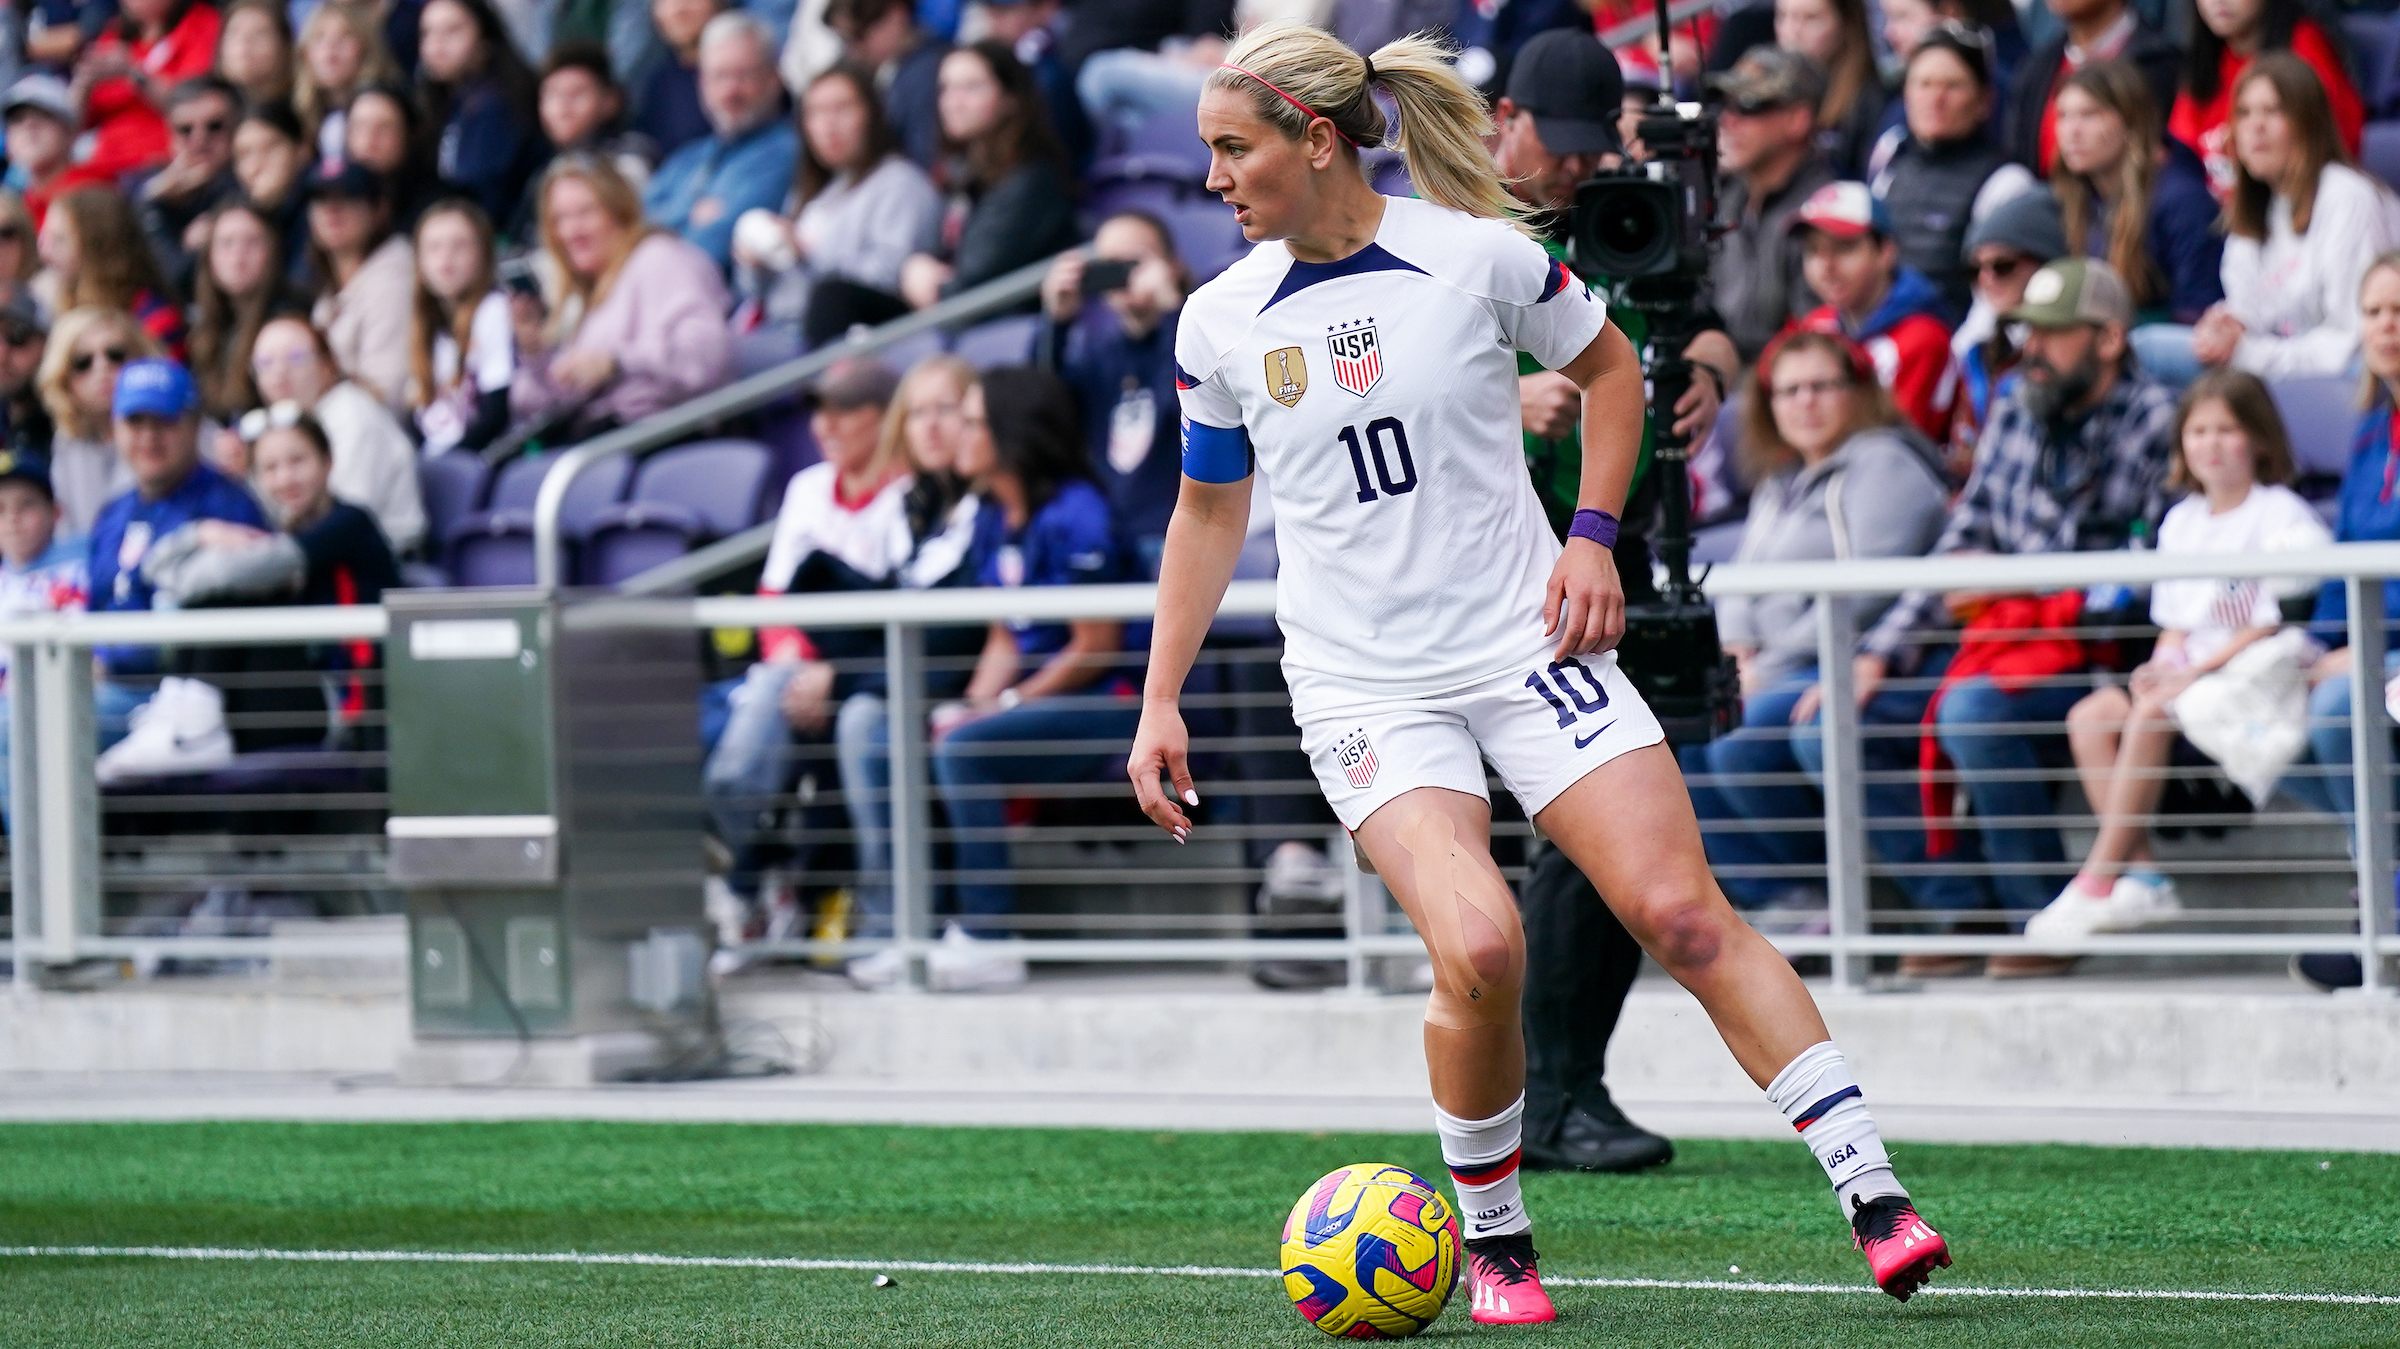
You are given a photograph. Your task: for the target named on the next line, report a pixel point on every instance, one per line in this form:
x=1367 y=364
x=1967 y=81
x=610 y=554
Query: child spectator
x=1852 y=261
x=883 y=36
x=2226 y=37
x=365 y=274
x=1833 y=33
x=2144 y=209
x=583 y=112
x=77 y=381
x=745 y=162
x=254 y=51
x=1115 y=348
x=123 y=78
x=1940 y=172
x=478 y=104
x=858 y=209
x=462 y=348
x=2004 y=249
x=374 y=465
x=240 y=284
x=176 y=200
x=40 y=119
x=1010 y=204
x=349 y=561
x=641 y=326
x=2301 y=229
x=2233 y=461
x=2092 y=31
x=667 y=106
x=341 y=52
x=41 y=570
x=94 y=251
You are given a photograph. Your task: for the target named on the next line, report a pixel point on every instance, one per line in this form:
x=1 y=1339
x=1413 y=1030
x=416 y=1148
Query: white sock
x=1819 y=1096
x=1482 y=1156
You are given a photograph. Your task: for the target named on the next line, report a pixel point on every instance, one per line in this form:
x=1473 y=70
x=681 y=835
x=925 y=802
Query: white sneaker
x=961 y=964
x=180 y=730
x=1296 y=871
x=874 y=973
x=726 y=910
x=2131 y=903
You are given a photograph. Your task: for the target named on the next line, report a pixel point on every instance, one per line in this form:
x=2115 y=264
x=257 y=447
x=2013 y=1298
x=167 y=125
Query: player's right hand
x=1162 y=748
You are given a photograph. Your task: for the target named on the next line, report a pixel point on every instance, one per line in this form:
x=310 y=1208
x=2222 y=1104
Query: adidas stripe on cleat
x=1504 y=1287
x=1901 y=1249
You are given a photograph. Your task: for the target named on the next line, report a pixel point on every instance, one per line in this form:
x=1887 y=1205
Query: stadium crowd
x=1993 y=279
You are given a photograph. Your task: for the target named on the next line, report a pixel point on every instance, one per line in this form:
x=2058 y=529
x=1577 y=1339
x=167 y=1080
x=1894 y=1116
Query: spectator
x=1043 y=524
x=2145 y=210
x=1905 y=24
x=1771 y=166
x=1011 y=204
x=1853 y=261
x=1114 y=345
x=1835 y=472
x=57 y=31
x=478 y=102
x=25 y=425
x=1034 y=30
x=341 y=52
x=240 y=285
x=365 y=273
x=2075 y=455
x=2365 y=513
x=41 y=570
x=463 y=350
x=76 y=381
x=2227 y=36
x=2004 y=249
x=883 y=36
x=374 y=465
x=1833 y=34
x=176 y=200
x=1942 y=172
x=93 y=249
x=270 y=154
x=644 y=326
x=381 y=135
x=349 y=561
x=1125 y=87
x=583 y=112
x=745 y=162
x=254 y=51
x=19 y=259
x=2233 y=460
x=668 y=108
x=858 y=210
x=40 y=119
x=123 y=78
x=843 y=526
x=2095 y=30
x=2301 y=229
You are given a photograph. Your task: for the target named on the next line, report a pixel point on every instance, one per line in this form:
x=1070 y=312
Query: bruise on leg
x=1470 y=928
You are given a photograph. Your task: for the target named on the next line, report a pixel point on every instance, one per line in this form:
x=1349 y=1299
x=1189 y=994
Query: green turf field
x=2021 y=1217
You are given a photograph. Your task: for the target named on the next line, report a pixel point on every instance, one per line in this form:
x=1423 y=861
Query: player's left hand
x=1585 y=605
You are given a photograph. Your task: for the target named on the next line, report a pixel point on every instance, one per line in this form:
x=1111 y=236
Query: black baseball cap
x=1571 y=85
x=339 y=180
x=32 y=469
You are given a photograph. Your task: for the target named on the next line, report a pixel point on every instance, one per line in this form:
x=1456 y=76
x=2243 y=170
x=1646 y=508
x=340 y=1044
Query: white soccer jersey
x=1378 y=395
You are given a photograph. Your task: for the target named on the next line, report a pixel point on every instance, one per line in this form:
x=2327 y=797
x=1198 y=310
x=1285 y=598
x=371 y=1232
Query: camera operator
x=1558 y=124
x=1767 y=144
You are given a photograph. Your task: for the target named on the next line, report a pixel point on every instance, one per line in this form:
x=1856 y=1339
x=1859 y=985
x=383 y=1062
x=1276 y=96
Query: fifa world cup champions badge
x=1287 y=376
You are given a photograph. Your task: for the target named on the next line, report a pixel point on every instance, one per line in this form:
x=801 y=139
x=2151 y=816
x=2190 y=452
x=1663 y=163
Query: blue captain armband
x=1216 y=453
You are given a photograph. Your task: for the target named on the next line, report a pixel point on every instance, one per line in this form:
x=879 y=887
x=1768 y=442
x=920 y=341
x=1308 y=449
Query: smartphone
x=1100 y=276
x=516 y=275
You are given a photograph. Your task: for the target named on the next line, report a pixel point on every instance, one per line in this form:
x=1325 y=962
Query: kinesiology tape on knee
x=1465 y=906
x=1820 y=1096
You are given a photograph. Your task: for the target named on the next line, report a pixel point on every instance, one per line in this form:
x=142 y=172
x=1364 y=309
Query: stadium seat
x=1166 y=148
x=2379 y=152
x=998 y=342
x=2374 y=60
x=494 y=546
x=908 y=351
x=452 y=485
x=681 y=498
x=2321 y=416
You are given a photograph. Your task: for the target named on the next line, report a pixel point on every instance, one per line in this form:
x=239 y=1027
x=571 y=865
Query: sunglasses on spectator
x=1814 y=388
x=1756 y=107
x=10 y=234
x=214 y=126
x=84 y=360
x=2001 y=269
x=15 y=336
x=276 y=417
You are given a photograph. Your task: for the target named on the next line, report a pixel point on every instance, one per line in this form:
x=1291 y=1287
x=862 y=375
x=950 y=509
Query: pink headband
x=1306 y=111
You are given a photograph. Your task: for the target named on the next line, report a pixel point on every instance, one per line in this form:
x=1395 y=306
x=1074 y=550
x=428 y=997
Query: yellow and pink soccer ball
x=1370 y=1253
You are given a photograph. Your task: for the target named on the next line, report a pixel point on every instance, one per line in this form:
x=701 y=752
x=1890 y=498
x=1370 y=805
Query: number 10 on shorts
x=1565 y=675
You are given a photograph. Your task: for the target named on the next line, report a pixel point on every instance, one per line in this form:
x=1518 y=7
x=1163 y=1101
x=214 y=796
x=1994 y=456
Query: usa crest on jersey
x=1357 y=358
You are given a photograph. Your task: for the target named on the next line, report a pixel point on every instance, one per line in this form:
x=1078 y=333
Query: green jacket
x=1557 y=465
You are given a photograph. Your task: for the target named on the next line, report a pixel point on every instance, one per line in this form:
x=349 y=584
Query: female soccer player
x=1367 y=366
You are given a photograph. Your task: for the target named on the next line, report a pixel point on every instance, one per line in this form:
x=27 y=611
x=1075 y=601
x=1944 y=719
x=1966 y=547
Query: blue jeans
x=749 y=757
x=862 y=733
x=112 y=708
x=2325 y=781
x=1127 y=87
x=2001 y=768
x=2164 y=351
x=974 y=764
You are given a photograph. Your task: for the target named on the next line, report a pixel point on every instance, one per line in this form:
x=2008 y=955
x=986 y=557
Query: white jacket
x=2297 y=294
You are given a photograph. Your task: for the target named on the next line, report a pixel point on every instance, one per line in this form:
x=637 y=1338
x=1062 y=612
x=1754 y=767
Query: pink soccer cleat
x=1506 y=1288
x=1901 y=1250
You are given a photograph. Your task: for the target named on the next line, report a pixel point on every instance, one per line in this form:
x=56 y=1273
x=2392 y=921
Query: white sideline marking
x=1162 y=1271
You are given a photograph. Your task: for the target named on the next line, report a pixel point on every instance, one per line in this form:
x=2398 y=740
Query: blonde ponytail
x=1290 y=70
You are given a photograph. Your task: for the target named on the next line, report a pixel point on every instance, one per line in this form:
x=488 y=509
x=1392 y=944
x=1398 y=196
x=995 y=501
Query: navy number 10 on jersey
x=1386 y=439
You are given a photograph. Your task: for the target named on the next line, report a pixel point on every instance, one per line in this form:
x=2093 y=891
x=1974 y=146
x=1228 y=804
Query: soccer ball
x=1370 y=1253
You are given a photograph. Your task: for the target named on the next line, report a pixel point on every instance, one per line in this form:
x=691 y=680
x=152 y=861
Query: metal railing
x=56 y=863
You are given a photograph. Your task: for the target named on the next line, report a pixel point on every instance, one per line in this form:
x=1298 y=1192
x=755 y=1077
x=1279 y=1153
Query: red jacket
x=1910 y=345
x=2209 y=129
x=129 y=134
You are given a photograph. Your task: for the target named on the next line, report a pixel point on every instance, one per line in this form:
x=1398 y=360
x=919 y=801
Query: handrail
x=1635 y=30
x=680 y=421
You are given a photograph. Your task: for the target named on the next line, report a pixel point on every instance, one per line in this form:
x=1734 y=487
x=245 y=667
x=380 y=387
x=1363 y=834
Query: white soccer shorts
x=1543 y=727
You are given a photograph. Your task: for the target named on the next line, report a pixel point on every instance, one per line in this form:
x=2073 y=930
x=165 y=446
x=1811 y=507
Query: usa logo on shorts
x=1357 y=357
x=1357 y=758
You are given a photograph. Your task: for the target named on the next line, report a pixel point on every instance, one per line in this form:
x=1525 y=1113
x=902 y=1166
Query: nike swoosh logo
x=1583 y=740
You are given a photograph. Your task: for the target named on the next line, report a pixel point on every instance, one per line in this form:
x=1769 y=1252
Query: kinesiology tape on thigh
x=1465 y=904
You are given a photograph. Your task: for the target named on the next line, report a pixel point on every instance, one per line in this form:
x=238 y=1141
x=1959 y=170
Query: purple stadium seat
x=998 y=342
x=1203 y=225
x=680 y=498
x=452 y=485
x=2374 y=60
x=2321 y=417
x=2379 y=152
x=494 y=546
x=1167 y=147
x=908 y=351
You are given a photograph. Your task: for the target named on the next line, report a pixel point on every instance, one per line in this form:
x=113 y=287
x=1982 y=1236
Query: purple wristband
x=1598 y=526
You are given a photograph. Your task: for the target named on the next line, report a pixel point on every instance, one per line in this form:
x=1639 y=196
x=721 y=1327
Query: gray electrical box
x=545 y=821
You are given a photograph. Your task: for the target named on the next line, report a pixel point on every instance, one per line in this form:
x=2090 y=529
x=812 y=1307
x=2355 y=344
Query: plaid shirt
x=2029 y=493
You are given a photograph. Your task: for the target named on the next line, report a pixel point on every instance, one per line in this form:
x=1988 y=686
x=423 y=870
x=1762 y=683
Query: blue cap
x=17 y=466
x=154 y=387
